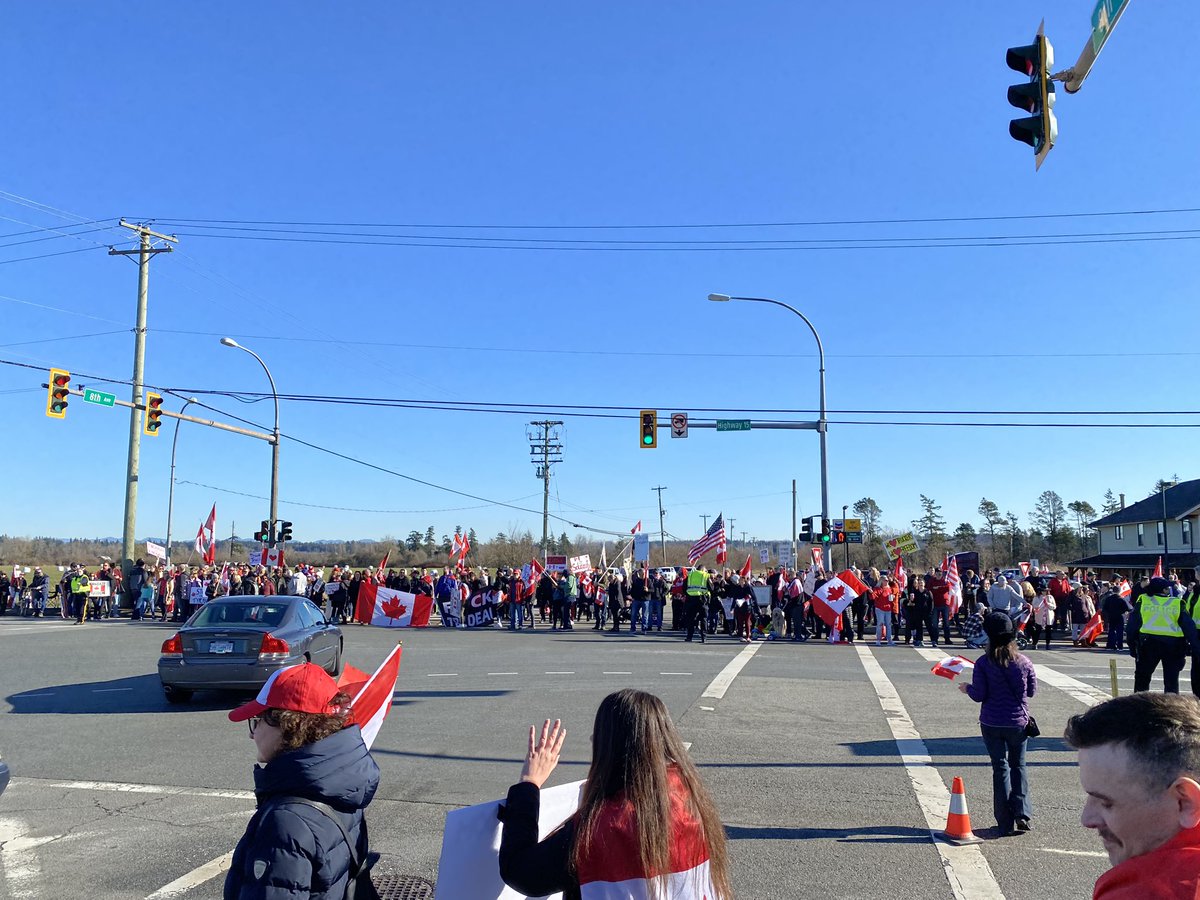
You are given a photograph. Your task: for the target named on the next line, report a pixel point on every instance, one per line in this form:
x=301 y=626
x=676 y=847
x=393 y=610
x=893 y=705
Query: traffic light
x=285 y=531
x=263 y=533
x=826 y=531
x=649 y=435
x=1040 y=130
x=806 y=532
x=153 y=413
x=57 y=392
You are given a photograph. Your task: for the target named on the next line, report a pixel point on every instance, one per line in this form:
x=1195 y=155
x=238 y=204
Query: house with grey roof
x=1132 y=539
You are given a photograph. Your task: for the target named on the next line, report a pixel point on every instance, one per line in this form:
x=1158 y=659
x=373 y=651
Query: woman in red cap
x=314 y=779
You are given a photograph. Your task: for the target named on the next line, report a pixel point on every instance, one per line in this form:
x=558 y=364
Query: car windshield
x=270 y=614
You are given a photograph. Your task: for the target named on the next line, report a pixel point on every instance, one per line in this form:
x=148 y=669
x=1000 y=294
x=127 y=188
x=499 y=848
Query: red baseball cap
x=304 y=688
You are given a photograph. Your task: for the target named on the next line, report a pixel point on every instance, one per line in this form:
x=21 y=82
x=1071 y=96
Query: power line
x=5 y=262
x=213 y=487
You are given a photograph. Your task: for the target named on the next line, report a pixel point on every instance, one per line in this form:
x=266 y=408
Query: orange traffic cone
x=958 y=821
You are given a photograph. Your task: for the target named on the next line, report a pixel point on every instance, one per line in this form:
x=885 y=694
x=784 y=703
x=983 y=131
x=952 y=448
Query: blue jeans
x=656 y=614
x=638 y=618
x=516 y=615
x=1010 y=780
x=940 y=616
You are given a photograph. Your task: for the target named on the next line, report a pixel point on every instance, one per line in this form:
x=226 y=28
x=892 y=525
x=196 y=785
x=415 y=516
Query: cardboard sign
x=764 y=556
x=581 y=564
x=476 y=830
x=158 y=551
x=557 y=563
x=641 y=547
x=817 y=555
x=901 y=545
x=100 y=588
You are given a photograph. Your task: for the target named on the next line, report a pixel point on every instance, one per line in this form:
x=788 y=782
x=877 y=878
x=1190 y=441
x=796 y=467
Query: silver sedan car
x=236 y=643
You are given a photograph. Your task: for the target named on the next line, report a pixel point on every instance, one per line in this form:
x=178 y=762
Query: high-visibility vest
x=697 y=583
x=1160 y=616
x=1192 y=601
x=80 y=584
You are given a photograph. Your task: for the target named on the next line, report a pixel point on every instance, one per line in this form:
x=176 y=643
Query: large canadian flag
x=832 y=598
x=371 y=698
x=392 y=609
x=206 y=538
x=271 y=557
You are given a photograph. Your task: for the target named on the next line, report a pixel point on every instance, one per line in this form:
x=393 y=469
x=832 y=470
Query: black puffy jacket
x=296 y=851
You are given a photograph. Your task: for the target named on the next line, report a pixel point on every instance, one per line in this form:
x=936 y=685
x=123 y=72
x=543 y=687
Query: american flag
x=954 y=583
x=714 y=539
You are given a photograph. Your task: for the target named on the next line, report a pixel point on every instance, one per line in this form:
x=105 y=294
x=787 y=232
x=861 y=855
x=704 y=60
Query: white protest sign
x=99 y=588
x=476 y=830
x=158 y=551
x=556 y=563
x=764 y=556
x=641 y=547
x=581 y=564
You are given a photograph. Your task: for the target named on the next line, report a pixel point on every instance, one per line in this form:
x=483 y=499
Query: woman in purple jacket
x=1003 y=682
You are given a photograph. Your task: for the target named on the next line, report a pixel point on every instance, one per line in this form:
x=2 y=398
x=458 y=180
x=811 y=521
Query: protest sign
x=581 y=564
x=641 y=547
x=901 y=545
x=99 y=588
x=764 y=556
x=556 y=563
x=158 y=551
x=480 y=610
x=475 y=829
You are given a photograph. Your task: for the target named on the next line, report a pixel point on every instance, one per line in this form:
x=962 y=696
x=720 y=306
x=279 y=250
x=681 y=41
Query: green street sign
x=99 y=398
x=733 y=424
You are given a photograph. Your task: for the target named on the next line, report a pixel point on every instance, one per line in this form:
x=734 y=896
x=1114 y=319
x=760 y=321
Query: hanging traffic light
x=826 y=531
x=153 y=421
x=806 y=532
x=57 y=392
x=649 y=432
x=285 y=531
x=263 y=533
x=1040 y=130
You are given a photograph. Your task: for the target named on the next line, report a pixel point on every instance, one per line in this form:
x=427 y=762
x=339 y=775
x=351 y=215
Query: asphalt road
x=116 y=794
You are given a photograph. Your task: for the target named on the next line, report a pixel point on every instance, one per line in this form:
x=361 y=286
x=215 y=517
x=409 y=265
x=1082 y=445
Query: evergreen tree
x=1112 y=504
x=992 y=522
x=931 y=528
x=965 y=538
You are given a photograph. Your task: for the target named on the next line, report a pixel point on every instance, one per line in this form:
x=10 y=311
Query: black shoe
x=1024 y=825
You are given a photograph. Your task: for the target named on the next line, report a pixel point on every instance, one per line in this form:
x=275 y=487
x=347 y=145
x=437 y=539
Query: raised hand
x=543 y=752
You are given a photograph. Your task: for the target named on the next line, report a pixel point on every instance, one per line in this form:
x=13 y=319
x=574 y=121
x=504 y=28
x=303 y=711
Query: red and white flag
x=206 y=538
x=952 y=666
x=1158 y=569
x=272 y=557
x=745 y=570
x=832 y=598
x=899 y=573
x=817 y=556
x=392 y=609
x=1125 y=590
x=371 y=698
x=383 y=564
x=1092 y=630
x=460 y=547
x=532 y=576
x=636 y=528
x=954 y=583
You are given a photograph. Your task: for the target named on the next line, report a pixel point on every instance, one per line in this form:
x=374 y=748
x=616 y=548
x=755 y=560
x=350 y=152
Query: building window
x=1187 y=532
x=1119 y=533
x=1141 y=534
x=1160 y=529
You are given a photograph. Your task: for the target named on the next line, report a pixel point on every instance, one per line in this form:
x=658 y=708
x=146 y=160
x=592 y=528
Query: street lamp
x=230 y=342
x=846 y=544
x=822 y=422
x=171 y=490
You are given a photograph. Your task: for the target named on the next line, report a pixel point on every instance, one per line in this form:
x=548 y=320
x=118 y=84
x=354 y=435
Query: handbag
x=1031 y=726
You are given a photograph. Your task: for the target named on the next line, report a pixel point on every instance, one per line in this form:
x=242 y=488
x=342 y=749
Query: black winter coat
x=296 y=851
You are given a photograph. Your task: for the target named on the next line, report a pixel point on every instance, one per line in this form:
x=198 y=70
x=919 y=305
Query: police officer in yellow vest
x=1191 y=602
x=80 y=586
x=1161 y=630
x=698 y=586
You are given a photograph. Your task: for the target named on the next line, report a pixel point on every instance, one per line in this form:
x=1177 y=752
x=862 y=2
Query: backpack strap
x=330 y=813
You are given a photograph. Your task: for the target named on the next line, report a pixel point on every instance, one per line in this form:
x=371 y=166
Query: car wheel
x=176 y=695
x=336 y=669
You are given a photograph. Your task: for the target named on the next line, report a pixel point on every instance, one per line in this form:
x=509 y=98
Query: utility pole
x=704 y=519
x=793 y=519
x=662 y=532
x=731 y=531
x=144 y=253
x=232 y=535
x=545 y=448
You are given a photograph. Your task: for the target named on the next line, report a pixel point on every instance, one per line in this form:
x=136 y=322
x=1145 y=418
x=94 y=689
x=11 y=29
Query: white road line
x=618 y=673
x=1073 y=852
x=194 y=878
x=560 y=673
x=687 y=745
x=119 y=787
x=20 y=869
x=708 y=708
x=441 y=674
x=674 y=673
x=716 y=690
x=1084 y=693
x=966 y=869
x=504 y=673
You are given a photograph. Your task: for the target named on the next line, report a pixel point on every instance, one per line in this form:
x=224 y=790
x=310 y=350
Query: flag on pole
x=636 y=528
x=460 y=547
x=899 y=573
x=832 y=598
x=272 y=557
x=383 y=564
x=371 y=698
x=714 y=539
x=954 y=583
x=952 y=666
x=206 y=538
x=534 y=575
x=1092 y=630
x=1125 y=590
x=392 y=609
x=1158 y=569
x=745 y=570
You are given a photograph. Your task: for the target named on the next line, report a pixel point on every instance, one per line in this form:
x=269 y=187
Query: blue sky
x=540 y=114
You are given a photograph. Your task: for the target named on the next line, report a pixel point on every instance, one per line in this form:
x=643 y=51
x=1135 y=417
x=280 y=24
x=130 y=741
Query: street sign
x=99 y=398
x=1104 y=19
x=679 y=425
x=733 y=424
x=838 y=525
x=853 y=537
x=852 y=525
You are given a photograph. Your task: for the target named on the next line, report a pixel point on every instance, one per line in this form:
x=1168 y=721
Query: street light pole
x=845 y=544
x=822 y=421
x=230 y=342
x=171 y=489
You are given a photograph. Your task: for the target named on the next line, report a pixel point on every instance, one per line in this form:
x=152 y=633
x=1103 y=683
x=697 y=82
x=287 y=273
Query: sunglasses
x=254 y=721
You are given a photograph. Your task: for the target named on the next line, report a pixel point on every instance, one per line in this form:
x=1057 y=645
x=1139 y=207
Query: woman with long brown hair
x=646 y=825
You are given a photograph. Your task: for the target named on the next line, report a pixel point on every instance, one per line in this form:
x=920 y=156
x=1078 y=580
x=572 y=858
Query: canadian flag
x=952 y=666
x=383 y=565
x=460 y=547
x=900 y=574
x=532 y=574
x=392 y=609
x=1125 y=590
x=272 y=557
x=636 y=528
x=832 y=598
x=1157 y=568
x=371 y=698
x=1092 y=630
x=206 y=538
x=745 y=570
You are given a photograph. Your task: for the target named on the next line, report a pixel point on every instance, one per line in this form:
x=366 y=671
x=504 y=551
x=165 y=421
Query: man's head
x=1159 y=587
x=1139 y=763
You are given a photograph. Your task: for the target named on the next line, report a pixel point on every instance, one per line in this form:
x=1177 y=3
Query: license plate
x=220 y=646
